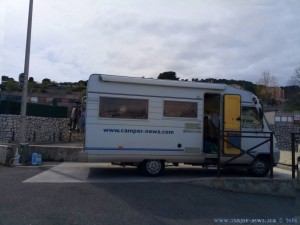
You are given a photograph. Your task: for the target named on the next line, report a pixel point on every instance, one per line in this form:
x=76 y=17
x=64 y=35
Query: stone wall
x=38 y=129
x=49 y=130
x=283 y=135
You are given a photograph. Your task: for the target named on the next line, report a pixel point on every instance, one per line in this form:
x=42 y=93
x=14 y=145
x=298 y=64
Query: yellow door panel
x=232 y=112
x=232 y=122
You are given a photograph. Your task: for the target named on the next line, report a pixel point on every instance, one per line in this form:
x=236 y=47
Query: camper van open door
x=232 y=122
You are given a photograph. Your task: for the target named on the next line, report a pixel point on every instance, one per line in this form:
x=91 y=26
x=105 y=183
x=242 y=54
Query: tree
x=295 y=78
x=265 y=88
x=31 y=84
x=45 y=83
x=267 y=80
x=246 y=85
x=82 y=83
x=169 y=75
x=12 y=85
x=4 y=79
x=292 y=92
x=21 y=79
x=30 y=79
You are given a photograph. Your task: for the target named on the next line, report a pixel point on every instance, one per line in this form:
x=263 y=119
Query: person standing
x=74 y=117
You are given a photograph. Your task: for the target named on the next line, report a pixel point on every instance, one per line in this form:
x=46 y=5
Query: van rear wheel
x=259 y=167
x=152 y=168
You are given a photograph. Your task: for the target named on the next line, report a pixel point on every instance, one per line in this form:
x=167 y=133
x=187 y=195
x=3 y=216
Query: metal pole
x=271 y=154
x=220 y=137
x=293 y=155
x=26 y=70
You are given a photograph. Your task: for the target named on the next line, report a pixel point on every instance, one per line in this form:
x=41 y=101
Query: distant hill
x=246 y=85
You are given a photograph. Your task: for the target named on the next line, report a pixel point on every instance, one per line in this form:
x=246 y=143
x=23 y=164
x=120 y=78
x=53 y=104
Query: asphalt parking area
x=76 y=172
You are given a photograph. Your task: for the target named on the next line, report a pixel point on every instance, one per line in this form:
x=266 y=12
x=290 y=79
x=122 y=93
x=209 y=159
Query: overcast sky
x=71 y=39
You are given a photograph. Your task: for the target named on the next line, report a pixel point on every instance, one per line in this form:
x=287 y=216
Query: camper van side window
x=123 y=108
x=251 y=118
x=180 y=109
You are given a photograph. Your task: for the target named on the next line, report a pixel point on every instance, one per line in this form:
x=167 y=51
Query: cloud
x=234 y=39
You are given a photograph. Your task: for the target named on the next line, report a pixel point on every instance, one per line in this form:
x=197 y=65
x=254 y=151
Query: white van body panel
x=171 y=139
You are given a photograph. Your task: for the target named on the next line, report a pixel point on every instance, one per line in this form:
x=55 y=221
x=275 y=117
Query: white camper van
x=148 y=123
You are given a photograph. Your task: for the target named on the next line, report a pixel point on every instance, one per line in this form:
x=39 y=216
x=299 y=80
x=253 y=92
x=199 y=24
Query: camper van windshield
x=251 y=118
x=123 y=108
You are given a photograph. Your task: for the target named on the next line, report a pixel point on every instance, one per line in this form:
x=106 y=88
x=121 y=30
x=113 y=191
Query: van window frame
x=123 y=108
x=170 y=111
x=254 y=120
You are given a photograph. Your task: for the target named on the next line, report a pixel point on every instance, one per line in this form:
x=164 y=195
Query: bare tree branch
x=267 y=80
x=295 y=78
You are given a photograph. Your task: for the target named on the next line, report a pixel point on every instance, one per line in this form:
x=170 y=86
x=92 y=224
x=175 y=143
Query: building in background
x=59 y=95
x=277 y=94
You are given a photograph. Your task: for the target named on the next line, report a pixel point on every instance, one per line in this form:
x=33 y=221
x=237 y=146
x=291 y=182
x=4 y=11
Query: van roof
x=157 y=82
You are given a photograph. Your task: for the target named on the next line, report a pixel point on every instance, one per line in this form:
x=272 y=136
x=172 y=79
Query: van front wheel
x=260 y=167
x=152 y=168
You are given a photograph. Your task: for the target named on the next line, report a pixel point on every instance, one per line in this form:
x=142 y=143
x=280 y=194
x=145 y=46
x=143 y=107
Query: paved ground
x=70 y=172
x=132 y=203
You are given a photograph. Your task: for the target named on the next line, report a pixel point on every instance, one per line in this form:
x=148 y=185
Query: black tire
x=260 y=167
x=152 y=168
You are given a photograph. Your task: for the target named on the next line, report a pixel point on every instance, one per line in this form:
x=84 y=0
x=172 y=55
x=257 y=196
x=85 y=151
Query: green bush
x=10 y=107
x=14 y=107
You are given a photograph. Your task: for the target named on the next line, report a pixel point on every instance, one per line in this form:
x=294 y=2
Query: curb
x=279 y=187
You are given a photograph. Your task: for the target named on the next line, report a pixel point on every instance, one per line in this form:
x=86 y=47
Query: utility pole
x=22 y=134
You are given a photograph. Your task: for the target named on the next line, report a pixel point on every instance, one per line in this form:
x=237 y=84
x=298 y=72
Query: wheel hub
x=153 y=167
